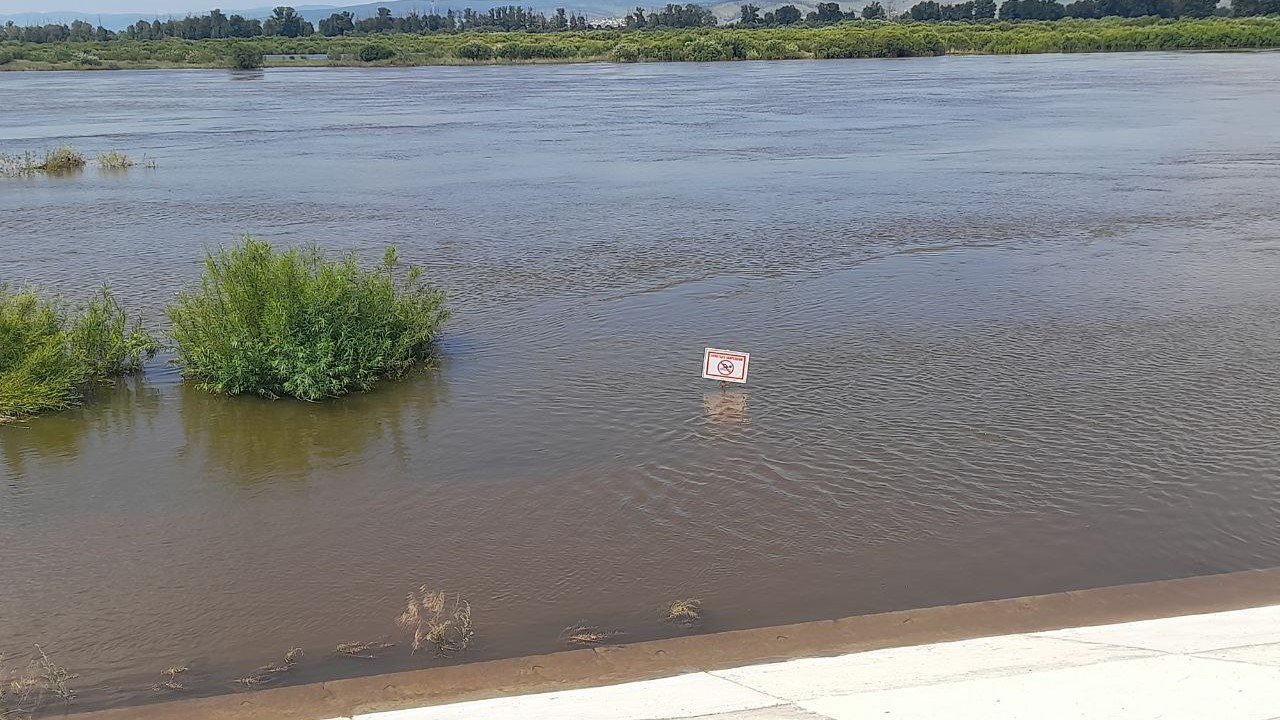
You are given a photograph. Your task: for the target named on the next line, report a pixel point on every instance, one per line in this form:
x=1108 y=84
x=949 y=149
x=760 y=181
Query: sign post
x=725 y=365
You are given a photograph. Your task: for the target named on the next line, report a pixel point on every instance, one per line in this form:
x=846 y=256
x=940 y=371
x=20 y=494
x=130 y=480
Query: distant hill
x=593 y=9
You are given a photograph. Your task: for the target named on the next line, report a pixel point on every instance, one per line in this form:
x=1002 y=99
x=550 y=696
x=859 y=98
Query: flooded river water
x=1014 y=324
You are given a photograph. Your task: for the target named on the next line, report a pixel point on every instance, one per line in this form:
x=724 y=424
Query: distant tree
x=681 y=16
x=1200 y=8
x=636 y=20
x=925 y=11
x=338 y=24
x=749 y=15
x=1246 y=8
x=787 y=15
x=1081 y=9
x=875 y=11
x=1032 y=10
x=828 y=12
x=80 y=31
x=984 y=9
x=287 y=22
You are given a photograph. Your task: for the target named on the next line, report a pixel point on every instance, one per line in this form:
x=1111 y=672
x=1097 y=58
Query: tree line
x=286 y=22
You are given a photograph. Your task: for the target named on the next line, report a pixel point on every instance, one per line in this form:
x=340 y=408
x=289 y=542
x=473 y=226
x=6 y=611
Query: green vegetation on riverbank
x=49 y=357
x=293 y=322
x=850 y=39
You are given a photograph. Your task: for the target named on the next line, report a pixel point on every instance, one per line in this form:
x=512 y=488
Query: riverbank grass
x=297 y=323
x=49 y=356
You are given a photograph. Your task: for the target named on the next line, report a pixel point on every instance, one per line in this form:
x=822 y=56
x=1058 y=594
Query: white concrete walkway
x=1218 y=666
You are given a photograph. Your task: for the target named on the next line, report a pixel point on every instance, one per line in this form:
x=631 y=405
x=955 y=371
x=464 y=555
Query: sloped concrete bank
x=664 y=658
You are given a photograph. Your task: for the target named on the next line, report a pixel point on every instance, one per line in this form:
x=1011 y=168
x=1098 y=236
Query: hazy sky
x=145 y=6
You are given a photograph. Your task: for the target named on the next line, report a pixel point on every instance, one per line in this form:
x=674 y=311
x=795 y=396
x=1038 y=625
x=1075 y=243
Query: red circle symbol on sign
x=725 y=367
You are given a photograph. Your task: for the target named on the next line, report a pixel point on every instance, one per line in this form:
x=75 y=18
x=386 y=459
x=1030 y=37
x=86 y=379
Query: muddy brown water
x=1014 y=324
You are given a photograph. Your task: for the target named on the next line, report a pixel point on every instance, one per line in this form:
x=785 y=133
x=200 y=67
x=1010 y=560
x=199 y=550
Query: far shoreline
x=26 y=66
x=853 y=39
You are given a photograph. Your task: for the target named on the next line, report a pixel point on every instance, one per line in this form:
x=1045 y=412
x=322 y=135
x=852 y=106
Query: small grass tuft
x=581 y=635
x=255 y=679
x=366 y=650
x=114 y=160
x=267 y=673
x=686 y=613
x=26 y=692
x=170 y=681
x=286 y=663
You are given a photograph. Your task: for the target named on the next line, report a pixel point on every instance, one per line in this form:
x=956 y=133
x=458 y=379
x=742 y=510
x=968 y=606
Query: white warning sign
x=725 y=365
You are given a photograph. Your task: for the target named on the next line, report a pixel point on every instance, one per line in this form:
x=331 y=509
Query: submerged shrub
x=296 y=323
x=474 y=51
x=777 y=50
x=625 y=53
x=48 y=357
x=62 y=159
x=114 y=160
x=244 y=57
x=705 y=50
x=105 y=343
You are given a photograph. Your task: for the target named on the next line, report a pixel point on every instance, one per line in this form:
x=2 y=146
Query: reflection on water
x=1047 y=353
x=117 y=407
x=727 y=407
x=252 y=440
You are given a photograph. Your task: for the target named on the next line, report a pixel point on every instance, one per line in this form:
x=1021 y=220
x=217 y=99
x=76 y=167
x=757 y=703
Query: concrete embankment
x=1223 y=640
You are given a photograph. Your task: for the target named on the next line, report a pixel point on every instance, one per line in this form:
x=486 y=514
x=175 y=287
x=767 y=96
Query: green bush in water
x=625 y=53
x=293 y=322
x=48 y=358
x=704 y=50
x=375 y=52
x=62 y=159
x=474 y=51
x=244 y=57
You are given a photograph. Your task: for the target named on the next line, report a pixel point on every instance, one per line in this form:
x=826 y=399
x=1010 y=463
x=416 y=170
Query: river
x=1014 y=324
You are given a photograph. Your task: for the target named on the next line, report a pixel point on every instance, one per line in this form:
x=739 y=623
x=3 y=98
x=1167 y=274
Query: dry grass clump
x=268 y=673
x=581 y=635
x=366 y=650
x=25 y=692
x=171 y=681
x=686 y=613
x=19 y=165
x=114 y=160
x=427 y=614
